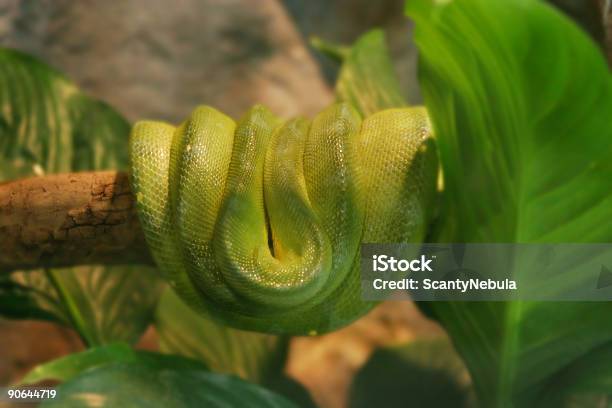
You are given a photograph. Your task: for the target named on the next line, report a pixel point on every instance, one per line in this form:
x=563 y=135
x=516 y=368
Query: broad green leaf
x=252 y=356
x=520 y=99
x=104 y=304
x=135 y=385
x=256 y=357
x=335 y=52
x=290 y=389
x=588 y=401
x=23 y=301
x=423 y=373
x=367 y=79
x=68 y=367
x=590 y=377
x=47 y=126
x=108 y=304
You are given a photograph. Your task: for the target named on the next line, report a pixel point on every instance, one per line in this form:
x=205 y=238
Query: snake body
x=258 y=223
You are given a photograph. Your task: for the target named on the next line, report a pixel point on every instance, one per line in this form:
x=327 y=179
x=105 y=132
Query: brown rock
x=158 y=59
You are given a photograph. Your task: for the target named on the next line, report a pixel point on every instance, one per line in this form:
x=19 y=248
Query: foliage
x=252 y=356
x=428 y=373
x=256 y=357
x=116 y=375
x=46 y=126
x=520 y=100
x=71 y=366
x=366 y=78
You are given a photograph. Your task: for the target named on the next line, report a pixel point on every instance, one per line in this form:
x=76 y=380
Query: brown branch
x=69 y=219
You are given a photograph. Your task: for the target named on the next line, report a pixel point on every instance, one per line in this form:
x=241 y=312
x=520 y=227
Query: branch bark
x=69 y=219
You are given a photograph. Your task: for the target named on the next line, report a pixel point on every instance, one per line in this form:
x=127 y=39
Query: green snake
x=258 y=223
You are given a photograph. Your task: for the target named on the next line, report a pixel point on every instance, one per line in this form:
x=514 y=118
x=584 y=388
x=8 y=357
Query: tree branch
x=69 y=219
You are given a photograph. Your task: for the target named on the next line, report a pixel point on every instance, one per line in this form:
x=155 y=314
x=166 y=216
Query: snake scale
x=258 y=222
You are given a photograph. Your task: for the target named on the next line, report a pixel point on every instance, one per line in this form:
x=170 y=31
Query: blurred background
x=159 y=59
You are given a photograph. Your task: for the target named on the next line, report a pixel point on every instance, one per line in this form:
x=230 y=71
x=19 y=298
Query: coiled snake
x=259 y=222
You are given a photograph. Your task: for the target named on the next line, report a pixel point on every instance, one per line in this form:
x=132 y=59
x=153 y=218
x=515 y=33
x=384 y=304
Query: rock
x=160 y=59
x=26 y=343
x=343 y=21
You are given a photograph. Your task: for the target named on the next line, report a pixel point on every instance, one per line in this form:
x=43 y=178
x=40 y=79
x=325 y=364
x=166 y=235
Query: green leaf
x=72 y=365
x=252 y=356
x=108 y=304
x=135 y=385
x=588 y=401
x=335 y=52
x=520 y=99
x=99 y=135
x=256 y=357
x=22 y=301
x=291 y=389
x=427 y=373
x=104 y=304
x=47 y=126
x=367 y=79
x=589 y=377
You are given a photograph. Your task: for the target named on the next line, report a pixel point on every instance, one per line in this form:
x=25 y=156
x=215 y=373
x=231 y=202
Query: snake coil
x=259 y=223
